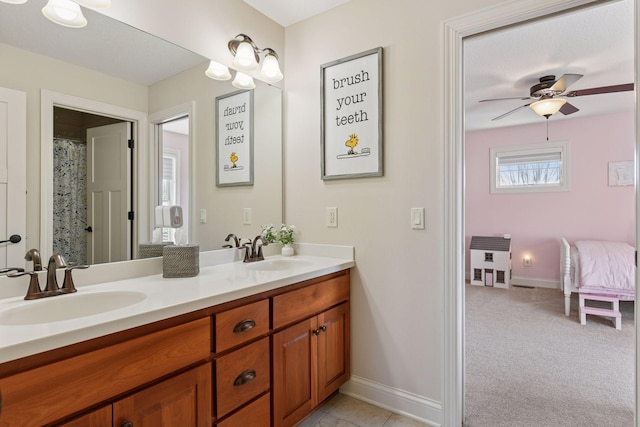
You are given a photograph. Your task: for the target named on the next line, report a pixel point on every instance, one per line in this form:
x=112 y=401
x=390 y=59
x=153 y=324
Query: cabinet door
x=294 y=386
x=183 y=400
x=333 y=350
x=98 y=418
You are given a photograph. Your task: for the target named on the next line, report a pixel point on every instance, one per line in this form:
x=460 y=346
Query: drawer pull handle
x=244 y=326
x=245 y=377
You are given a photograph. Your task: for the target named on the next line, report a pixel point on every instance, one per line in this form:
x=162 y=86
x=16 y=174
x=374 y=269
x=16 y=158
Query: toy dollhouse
x=490 y=261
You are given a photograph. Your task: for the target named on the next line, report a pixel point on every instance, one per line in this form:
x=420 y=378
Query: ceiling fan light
x=95 y=4
x=14 y=1
x=547 y=107
x=243 y=81
x=65 y=13
x=270 y=71
x=245 y=58
x=217 y=71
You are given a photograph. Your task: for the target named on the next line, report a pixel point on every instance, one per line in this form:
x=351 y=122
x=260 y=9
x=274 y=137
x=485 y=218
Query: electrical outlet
x=332 y=217
x=246 y=216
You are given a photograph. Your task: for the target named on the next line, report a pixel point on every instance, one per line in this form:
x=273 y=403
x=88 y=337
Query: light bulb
x=65 y=13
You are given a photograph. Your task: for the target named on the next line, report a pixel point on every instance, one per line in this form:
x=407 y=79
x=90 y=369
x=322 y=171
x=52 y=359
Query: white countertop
x=165 y=298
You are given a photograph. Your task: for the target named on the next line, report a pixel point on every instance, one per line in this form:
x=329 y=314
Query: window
x=539 y=167
x=500 y=276
x=488 y=256
x=477 y=274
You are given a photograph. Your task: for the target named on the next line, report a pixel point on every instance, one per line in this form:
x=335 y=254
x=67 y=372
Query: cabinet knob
x=245 y=377
x=245 y=325
x=316 y=332
x=323 y=328
x=126 y=424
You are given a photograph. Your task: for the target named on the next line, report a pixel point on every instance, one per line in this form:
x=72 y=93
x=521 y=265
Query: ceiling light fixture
x=64 y=12
x=14 y=1
x=547 y=107
x=246 y=57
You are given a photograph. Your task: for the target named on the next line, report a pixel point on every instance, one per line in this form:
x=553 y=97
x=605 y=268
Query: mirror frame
x=140 y=177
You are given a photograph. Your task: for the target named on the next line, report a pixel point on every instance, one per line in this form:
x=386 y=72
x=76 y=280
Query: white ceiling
x=288 y=12
x=597 y=42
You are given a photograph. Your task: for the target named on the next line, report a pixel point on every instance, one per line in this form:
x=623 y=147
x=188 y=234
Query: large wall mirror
x=109 y=73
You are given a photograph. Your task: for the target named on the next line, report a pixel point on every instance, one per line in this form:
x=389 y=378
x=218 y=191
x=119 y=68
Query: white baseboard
x=527 y=281
x=398 y=401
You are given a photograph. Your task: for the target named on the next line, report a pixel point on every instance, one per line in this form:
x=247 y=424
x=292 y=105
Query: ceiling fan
x=549 y=95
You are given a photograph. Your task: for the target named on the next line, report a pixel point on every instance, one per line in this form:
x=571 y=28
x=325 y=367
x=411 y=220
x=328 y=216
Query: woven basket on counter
x=151 y=250
x=180 y=261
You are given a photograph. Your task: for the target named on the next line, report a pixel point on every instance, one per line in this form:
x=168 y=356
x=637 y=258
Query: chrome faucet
x=34 y=255
x=253 y=252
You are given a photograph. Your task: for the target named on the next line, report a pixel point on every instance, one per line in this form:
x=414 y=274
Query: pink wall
x=536 y=221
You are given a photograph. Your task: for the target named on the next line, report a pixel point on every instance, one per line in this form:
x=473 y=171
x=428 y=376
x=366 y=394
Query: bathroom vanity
x=239 y=345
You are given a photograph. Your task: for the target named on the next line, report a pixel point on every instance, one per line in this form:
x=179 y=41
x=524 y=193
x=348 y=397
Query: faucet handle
x=67 y=286
x=34 y=291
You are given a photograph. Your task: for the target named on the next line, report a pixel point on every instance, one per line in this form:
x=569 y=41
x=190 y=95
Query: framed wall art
x=621 y=173
x=234 y=139
x=351 y=110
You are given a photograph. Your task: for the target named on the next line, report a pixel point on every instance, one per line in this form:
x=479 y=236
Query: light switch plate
x=246 y=216
x=332 y=217
x=203 y=216
x=417 y=218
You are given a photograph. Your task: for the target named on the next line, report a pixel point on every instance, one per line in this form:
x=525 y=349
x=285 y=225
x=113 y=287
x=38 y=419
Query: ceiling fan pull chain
x=547 y=128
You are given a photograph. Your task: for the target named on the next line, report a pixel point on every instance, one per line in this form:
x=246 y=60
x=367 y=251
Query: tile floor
x=345 y=411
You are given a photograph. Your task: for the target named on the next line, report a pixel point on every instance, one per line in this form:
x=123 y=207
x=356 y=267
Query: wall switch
x=417 y=218
x=332 y=217
x=246 y=216
x=203 y=216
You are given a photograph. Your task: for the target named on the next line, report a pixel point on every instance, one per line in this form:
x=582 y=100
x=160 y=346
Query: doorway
x=454 y=233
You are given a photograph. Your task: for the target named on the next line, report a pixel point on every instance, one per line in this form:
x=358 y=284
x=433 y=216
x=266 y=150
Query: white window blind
x=540 y=167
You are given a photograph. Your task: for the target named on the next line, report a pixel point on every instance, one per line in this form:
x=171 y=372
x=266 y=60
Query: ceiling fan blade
x=565 y=81
x=502 y=99
x=510 y=112
x=599 y=90
x=568 y=109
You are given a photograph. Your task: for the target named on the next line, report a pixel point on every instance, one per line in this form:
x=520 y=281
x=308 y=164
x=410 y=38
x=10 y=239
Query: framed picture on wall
x=351 y=115
x=234 y=139
x=621 y=173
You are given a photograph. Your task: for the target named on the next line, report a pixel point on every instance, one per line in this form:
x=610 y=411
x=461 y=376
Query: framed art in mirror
x=234 y=139
x=352 y=116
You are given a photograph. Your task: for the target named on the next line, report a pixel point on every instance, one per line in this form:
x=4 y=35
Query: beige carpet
x=529 y=365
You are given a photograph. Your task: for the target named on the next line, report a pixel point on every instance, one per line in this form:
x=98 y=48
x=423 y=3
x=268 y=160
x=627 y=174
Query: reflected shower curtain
x=70 y=200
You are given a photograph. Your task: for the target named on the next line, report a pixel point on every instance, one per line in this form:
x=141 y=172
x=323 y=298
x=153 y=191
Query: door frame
x=452 y=127
x=140 y=179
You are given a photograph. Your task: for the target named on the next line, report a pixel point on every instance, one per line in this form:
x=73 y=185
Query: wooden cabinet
x=183 y=400
x=311 y=357
x=266 y=360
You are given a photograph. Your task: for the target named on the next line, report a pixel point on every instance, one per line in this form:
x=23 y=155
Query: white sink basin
x=284 y=264
x=66 y=307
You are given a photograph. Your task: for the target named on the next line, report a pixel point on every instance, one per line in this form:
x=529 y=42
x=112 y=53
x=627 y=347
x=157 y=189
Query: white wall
x=397 y=286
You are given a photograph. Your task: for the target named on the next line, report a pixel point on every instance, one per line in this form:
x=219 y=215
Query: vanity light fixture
x=64 y=12
x=243 y=81
x=246 y=57
x=217 y=71
x=14 y=1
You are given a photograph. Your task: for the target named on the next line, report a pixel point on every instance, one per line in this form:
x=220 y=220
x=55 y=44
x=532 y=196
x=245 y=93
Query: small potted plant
x=284 y=234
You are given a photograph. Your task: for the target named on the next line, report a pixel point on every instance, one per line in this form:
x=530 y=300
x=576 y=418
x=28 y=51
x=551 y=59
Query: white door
x=108 y=193
x=13 y=182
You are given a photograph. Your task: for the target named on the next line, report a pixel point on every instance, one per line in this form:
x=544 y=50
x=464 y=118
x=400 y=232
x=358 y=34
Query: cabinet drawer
x=296 y=305
x=241 y=376
x=256 y=414
x=48 y=393
x=239 y=325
